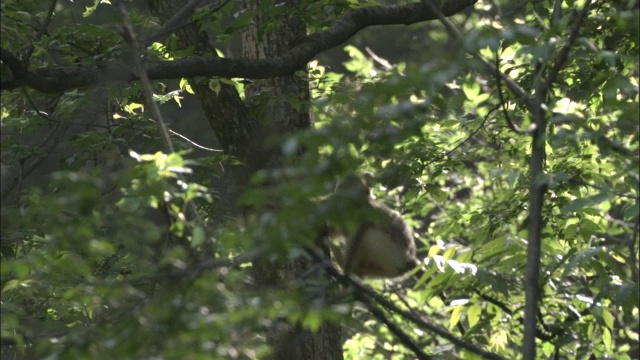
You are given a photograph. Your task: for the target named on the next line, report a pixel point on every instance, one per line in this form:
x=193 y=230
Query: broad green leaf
x=455 y=316
x=473 y=314
x=606 y=338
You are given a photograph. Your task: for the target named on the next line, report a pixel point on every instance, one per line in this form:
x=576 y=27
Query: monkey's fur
x=382 y=246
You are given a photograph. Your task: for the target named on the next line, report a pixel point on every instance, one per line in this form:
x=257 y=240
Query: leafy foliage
x=101 y=257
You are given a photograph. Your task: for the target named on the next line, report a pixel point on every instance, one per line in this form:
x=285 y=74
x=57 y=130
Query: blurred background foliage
x=94 y=259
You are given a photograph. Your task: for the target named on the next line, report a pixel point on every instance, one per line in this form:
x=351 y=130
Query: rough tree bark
x=279 y=117
x=245 y=137
x=226 y=112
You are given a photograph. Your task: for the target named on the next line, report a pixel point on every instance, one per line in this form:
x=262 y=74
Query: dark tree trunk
x=244 y=132
x=274 y=98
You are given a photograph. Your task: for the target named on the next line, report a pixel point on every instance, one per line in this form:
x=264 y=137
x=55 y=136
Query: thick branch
x=58 y=79
x=367 y=295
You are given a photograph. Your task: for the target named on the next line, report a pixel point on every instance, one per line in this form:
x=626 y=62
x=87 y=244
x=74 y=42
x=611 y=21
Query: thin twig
x=473 y=133
x=9 y=185
x=384 y=62
x=41 y=31
x=503 y=102
x=632 y=249
x=109 y=127
x=130 y=37
x=178 y=20
x=452 y=30
x=193 y=142
x=564 y=52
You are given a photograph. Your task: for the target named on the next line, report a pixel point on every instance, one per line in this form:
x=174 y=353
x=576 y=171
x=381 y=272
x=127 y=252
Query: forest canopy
x=172 y=178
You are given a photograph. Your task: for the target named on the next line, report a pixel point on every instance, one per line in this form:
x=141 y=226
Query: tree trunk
x=242 y=136
x=274 y=98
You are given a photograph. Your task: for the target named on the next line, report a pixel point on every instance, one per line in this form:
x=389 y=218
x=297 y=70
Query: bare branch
x=175 y=21
x=503 y=103
x=473 y=133
x=48 y=144
x=179 y=20
x=366 y=294
x=130 y=37
x=564 y=52
x=406 y=340
x=193 y=142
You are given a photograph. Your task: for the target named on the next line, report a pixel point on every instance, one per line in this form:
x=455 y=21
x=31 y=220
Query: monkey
x=382 y=245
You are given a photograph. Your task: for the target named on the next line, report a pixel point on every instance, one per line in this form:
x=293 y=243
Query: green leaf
x=471 y=90
x=591 y=226
x=581 y=258
x=455 y=317
x=586 y=202
x=21 y=269
x=473 y=315
x=606 y=338
x=632 y=212
x=548 y=349
x=628 y=296
x=607 y=318
x=198 y=236
x=499 y=340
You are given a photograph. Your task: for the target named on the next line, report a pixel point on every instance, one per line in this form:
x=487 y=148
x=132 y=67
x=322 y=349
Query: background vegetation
x=506 y=120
